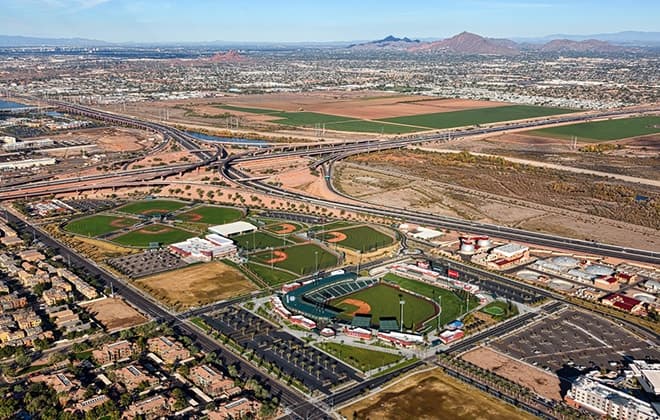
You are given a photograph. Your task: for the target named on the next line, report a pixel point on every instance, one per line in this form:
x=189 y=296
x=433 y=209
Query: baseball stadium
x=361 y=302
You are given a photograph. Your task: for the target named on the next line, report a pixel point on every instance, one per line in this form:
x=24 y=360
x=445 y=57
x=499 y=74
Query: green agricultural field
x=384 y=302
x=161 y=234
x=272 y=277
x=250 y=110
x=211 y=215
x=360 y=358
x=359 y=238
x=259 y=240
x=477 y=116
x=99 y=224
x=151 y=207
x=500 y=310
x=300 y=259
x=452 y=305
x=308 y=118
x=604 y=130
x=362 y=126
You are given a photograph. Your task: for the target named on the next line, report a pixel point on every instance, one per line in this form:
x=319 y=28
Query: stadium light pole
x=271 y=259
x=316 y=260
x=401 y=303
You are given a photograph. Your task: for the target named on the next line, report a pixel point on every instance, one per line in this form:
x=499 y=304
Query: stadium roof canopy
x=361 y=321
x=388 y=324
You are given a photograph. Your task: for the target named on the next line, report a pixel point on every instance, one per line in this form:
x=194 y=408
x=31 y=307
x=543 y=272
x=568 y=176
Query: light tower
x=401 y=303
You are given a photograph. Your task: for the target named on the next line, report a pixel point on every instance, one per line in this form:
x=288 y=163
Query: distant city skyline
x=310 y=21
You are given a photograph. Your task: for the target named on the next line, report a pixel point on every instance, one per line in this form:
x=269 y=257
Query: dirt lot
x=197 y=285
x=111 y=139
x=114 y=314
x=432 y=395
x=492 y=190
x=543 y=383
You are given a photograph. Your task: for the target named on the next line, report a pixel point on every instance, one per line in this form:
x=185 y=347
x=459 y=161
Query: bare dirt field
x=114 y=314
x=111 y=139
x=493 y=190
x=197 y=285
x=432 y=395
x=543 y=383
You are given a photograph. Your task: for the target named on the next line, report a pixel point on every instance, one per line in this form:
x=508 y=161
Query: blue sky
x=318 y=20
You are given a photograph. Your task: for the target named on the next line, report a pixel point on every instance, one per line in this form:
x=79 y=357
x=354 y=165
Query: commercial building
x=401 y=339
x=605 y=401
x=231 y=229
x=26 y=163
x=203 y=249
x=648 y=375
x=450 y=336
x=624 y=303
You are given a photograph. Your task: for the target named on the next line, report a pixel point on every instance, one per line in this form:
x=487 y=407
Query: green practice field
x=477 y=116
x=452 y=305
x=360 y=358
x=298 y=259
x=161 y=234
x=99 y=224
x=604 y=130
x=272 y=276
x=359 y=238
x=211 y=215
x=500 y=310
x=384 y=302
x=259 y=240
x=151 y=207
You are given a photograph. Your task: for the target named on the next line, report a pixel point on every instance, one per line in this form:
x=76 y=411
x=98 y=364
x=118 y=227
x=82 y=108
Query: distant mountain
x=469 y=43
x=231 y=56
x=589 y=45
x=632 y=38
x=389 y=42
x=27 y=41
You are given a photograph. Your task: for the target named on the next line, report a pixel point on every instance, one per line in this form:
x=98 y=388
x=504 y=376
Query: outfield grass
x=259 y=240
x=144 y=236
x=247 y=109
x=99 y=224
x=272 y=277
x=301 y=259
x=360 y=238
x=332 y=226
x=384 y=302
x=605 y=130
x=477 y=116
x=211 y=215
x=151 y=207
x=500 y=310
x=360 y=358
x=362 y=126
x=452 y=305
x=275 y=227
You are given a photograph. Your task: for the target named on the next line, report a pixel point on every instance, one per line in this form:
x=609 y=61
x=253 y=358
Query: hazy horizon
x=151 y=21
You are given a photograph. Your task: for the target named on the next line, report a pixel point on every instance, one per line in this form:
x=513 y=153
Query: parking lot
x=146 y=263
x=575 y=339
x=91 y=206
x=293 y=356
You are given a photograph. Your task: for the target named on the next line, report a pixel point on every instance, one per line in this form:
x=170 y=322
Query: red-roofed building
x=624 y=303
x=607 y=283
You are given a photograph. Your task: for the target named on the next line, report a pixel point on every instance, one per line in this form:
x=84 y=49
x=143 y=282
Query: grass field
x=259 y=240
x=99 y=224
x=360 y=238
x=452 y=305
x=151 y=207
x=384 y=302
x=604 y=130
x=272 y=277
x=197 y=284
x=211 y=215
x=300 y=259
x=362 y=126
x=161 y=234
x=247 y=109
x=279 y=228
x=500 y=310
x=477 y=116
x=332 y=226
x=432 y=395
x=360 y=358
